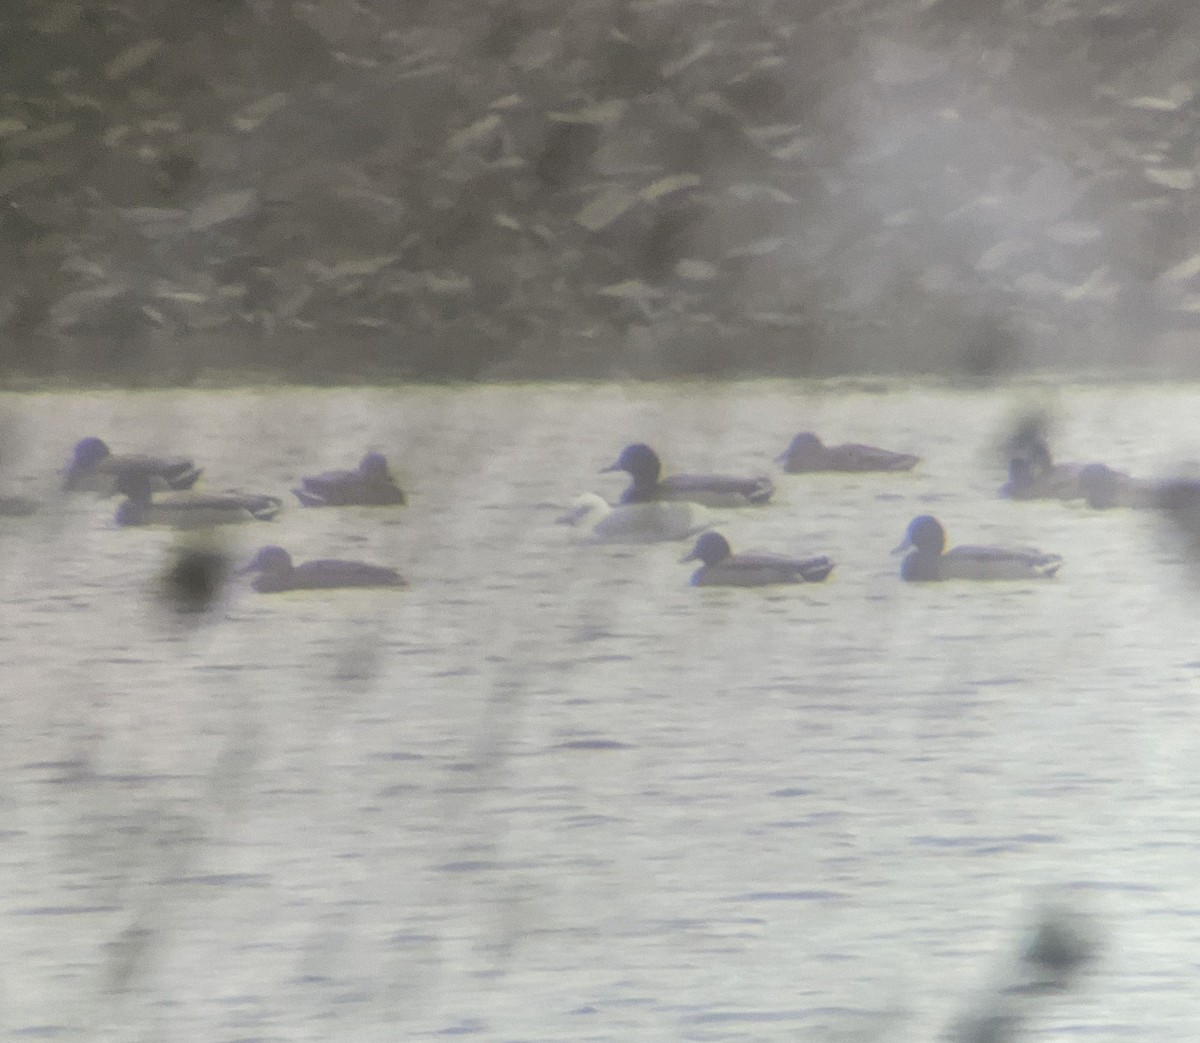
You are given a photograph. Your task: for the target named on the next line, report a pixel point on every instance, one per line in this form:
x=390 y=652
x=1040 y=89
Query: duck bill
x=902 y=546
x=609 y=469
x=692 y=556
x=570 y=518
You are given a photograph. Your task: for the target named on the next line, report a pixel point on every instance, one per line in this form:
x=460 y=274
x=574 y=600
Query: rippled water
x=551 y=792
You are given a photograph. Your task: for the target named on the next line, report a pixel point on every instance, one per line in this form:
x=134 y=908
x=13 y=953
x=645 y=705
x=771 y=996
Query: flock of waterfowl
x=158 y=491
x=656 y=508
x=653 y=508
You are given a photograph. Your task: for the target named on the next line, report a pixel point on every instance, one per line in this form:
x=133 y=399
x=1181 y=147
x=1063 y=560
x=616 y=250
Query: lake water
x=550 y=791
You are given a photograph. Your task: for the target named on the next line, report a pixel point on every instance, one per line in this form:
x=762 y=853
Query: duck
x=1103 y=489
x=927 y=559
x=1031 y=478
x=95 y=468
x=1032 y=472
x=599 y=522
x=722 y=568
x=370 y=485
x=143 y=505
x=710 y=490
x=806 y=452
x=277 y=573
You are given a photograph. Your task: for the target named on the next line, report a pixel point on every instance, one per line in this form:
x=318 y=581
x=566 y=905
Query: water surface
x=551 y=792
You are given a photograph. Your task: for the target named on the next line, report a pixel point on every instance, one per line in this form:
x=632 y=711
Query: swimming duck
x=928 y=560
x=635 y=522
x=722 y=568
x=278 y=574
x=371 y=485
x=1032 y=472
x=710 y=490
x=187 y=509
x=807 y=453
x=1030 y=478
x=1103 y=488
x=94 y=468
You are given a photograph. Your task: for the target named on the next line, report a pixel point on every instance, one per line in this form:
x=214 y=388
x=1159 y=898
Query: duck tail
x=185 y=479
x=1049 y=568
x=761 y=491
x=816 y=570
x=264 y=508
x=308 y=499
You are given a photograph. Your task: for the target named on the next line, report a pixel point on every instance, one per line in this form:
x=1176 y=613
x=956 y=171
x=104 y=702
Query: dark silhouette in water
x=188 y=509
x=722 y=568
x=370 y=485
x=1055 y=952
x=194 y=579
x=928 y=561
x=95 y=468
x=277 y=573
x=807 y=453
x=1032 y=472
x=712 y=490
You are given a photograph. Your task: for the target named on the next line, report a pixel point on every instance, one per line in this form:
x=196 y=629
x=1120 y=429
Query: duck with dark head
x=720 y=567
x=641 y=463
x=277 y=573
x=926 y=559
x=95 y=468
x=369 y=485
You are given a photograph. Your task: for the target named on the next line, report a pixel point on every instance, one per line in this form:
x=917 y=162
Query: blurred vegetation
x=372 y=189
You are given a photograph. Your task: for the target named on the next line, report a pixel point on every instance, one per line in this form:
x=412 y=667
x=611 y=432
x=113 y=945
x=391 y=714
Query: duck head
x=711 y=548
x=924 y=534
x=270 y=559
x=86 y=456
x=89 y=452
x=374 y=468
x=804 y=442
x=639 y=461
